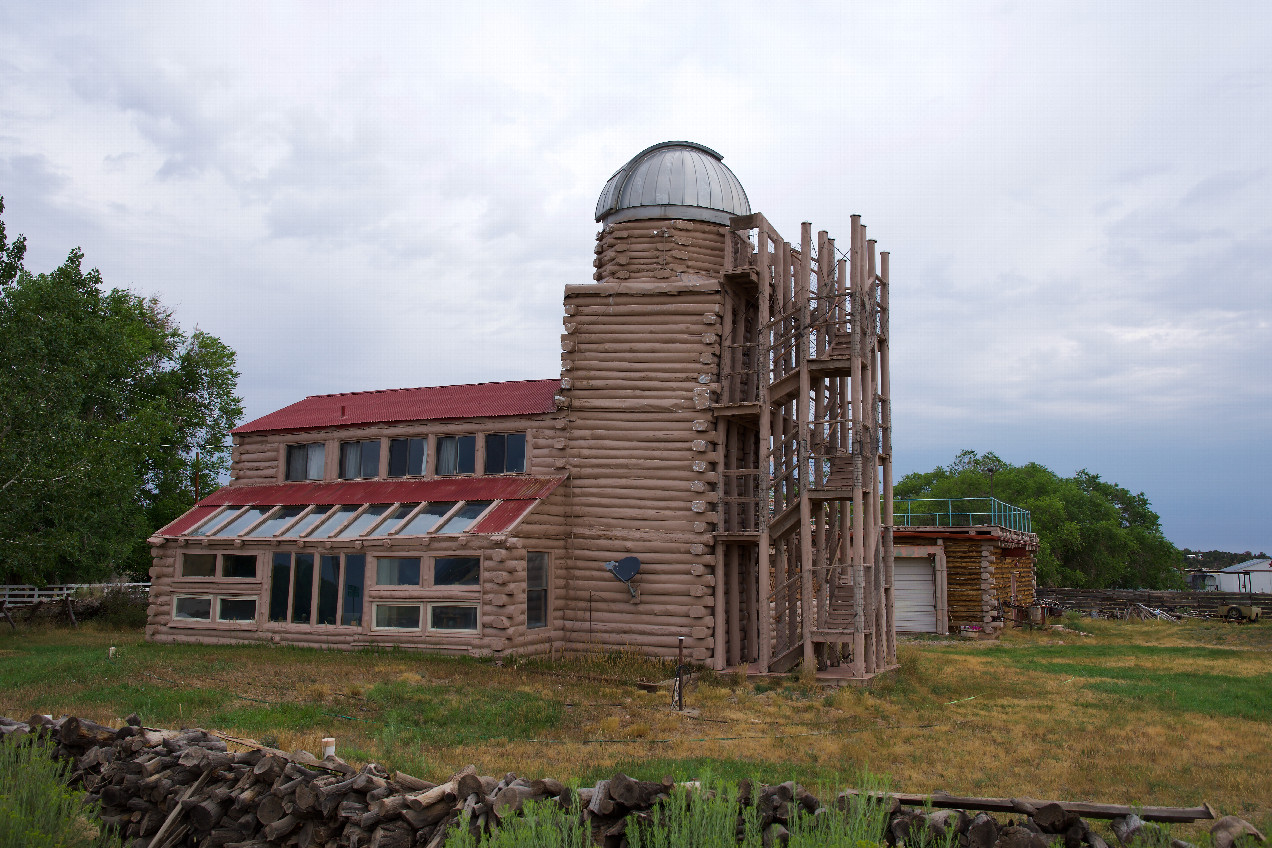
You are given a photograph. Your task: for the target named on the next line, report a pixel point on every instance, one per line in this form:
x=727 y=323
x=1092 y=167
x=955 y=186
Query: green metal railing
x=959 y=512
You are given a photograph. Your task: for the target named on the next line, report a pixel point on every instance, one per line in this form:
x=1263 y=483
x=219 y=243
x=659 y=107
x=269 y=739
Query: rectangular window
x=456 y=455
x=187 y=608
x=305 y=462
x=363 y=522
x=505 y=453
x=467 y=515
x=302 y=589
x=457 y=571
x=236 y=609
x=452 y=617
x=536 y=589
x=328 y=588
x=397 y=571
x=354 y=578
x=198 y=565
x=397 y=616
x=406 y=457
x=242 y=566
x=427 y=518
x=278 y=520
x=359 y=459
x=333 y=521
x=279 y=586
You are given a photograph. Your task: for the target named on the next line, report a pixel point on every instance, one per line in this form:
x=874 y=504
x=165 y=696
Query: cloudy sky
x=1076 y=197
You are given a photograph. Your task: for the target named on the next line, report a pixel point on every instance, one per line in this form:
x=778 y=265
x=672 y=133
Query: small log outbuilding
x=722 y=416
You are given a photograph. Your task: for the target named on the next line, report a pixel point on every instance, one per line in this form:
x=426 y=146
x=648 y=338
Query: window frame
x=218 y=566
x=525 y=452
x=459 y=441
x=309 y=449
x=418 y=628
x=189 y=596
x=242 y=622
x=429 y=629
x=315 y=589
x=360 y=444
x=424 y=457
x=546 y=589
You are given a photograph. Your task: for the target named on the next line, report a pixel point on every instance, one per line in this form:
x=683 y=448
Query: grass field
x=1152 y=713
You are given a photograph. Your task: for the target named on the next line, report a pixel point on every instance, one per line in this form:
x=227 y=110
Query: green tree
x=1091 y=533
x=107 y=410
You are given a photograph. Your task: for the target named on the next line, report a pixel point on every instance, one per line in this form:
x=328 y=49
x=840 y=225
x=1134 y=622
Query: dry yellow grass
x=1150 y=713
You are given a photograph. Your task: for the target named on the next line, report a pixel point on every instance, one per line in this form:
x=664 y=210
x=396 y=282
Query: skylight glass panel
x=364 y=521
x=336 y=518
x=243 y=520
x=309 y=521
x=427 y=518
x=396 y=518
x=464 y=519
x=280 y=519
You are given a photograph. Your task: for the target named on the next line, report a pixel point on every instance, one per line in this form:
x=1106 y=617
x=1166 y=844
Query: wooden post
x=764 y=619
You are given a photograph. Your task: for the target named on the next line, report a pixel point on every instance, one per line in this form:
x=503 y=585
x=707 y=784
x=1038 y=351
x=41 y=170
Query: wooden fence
x=1088 y=599
x=22 y=596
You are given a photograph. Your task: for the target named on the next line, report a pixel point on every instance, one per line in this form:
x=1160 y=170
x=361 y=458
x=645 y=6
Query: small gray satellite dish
x=625 y=569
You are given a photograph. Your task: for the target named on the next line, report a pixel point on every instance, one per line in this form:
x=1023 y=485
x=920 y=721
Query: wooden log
x=1010 y=805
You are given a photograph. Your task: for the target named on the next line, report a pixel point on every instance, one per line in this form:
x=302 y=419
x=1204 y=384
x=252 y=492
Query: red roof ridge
x=423 y=388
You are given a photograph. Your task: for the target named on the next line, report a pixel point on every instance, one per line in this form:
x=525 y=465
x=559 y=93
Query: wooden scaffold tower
x=804 y=541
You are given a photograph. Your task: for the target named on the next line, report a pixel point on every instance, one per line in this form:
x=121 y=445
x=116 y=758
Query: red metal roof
x=475 y=400
x=503 y=516
x=386 y=491
x=185 y=522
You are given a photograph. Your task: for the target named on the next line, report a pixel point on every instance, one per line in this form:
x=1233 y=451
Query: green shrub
x=37 y=807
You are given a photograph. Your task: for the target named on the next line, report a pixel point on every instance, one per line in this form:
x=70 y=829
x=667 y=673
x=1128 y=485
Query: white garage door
x=914 y=594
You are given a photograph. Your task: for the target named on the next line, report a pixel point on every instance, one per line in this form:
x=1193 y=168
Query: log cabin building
x=722 y=415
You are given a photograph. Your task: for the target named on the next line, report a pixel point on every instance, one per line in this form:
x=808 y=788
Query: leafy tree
x=1091 y=533
x=107 y=411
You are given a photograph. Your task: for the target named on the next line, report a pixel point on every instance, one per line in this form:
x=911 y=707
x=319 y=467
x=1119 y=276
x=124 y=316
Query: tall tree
x=108 y=410
x=1091 y=533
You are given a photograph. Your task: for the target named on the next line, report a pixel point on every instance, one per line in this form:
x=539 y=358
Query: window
x=363 y=522
x=536 y=589
x=198 y=565
x=302 y=588
x=355 y=572
x=457 y=571
x=397 y=616
x=397 y=571
x=505 y=453
x=456 y=455
x=464 y=519
x=427 y=518
x=236 y=609
x=305 y=462
x=296 y=596
x=359 y=459
x=406 y=457
x=188 y=608
x=239 y=566
x=452 y=617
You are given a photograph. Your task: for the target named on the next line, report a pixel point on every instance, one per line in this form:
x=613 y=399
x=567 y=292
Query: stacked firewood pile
x=164 y=788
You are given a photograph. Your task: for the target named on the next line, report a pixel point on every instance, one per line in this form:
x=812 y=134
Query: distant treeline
x=1216 y=560
x=1092 y=534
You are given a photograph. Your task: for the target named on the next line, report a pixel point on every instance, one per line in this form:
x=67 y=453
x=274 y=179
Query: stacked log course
x=164 y=788
x=639 y=365
x=970 y=580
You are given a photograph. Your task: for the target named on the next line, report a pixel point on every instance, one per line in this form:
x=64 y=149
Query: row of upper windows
x=503 y=453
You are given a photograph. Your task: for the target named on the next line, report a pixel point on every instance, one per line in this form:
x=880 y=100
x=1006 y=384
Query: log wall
x=639 y=366
x=1094 y=599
